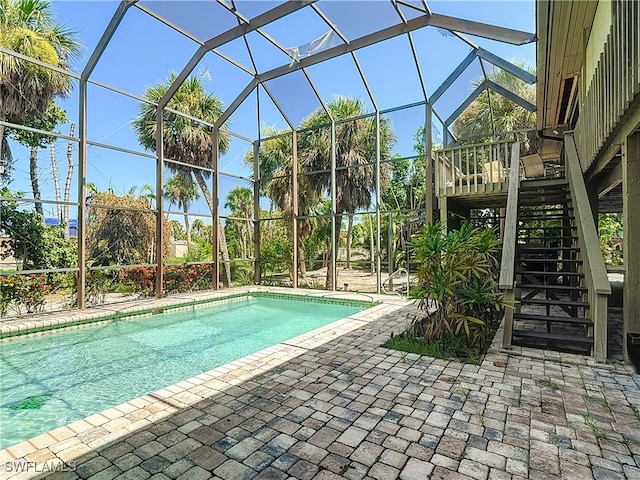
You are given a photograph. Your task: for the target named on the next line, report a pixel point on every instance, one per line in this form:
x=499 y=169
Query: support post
x=82 y=195
x=509 y=297
x=631 y=237
x=444 y=212
x=428 y=148
x=215 y=193
x=334 y=233
x=295 y=212
x=378 y=200
x=159 y=199
x=390 y=252
x=256 y=212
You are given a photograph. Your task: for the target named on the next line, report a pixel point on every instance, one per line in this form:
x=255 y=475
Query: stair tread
x=553 y=318
x=553 y=237
x=545 y=301
x=534 y=247
x=551 y=287
x=547 y=216
x=547 y=260
x=554 y=273
x=560 y=337
x=549 y=208
x=545 y=181
x=547 y=227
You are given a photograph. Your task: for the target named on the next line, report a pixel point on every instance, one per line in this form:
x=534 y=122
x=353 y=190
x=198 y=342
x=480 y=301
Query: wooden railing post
x=507 y=264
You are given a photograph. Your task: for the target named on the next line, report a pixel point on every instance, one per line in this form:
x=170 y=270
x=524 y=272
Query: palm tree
x=240 y=202
x=276 y=167
x=200 y=229
x=491 y=112
x=355 y=145
x=181 y=191
x=27 y=89
x=185 y=140
x=47 y=121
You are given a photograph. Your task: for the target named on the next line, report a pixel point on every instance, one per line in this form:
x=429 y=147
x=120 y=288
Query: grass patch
x=547 y=382
x=593 y=425
x=449 y=348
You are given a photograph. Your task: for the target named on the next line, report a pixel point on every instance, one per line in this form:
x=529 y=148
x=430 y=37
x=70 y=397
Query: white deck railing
x=469 y=169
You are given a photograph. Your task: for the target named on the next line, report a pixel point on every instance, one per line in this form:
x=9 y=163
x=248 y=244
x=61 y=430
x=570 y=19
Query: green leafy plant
x=548 y=382
x=593 y=425
x=456 y=283
x=449 y=348
x=23 y=291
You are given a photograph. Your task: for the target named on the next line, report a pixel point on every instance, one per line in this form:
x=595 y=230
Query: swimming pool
x=53 y=379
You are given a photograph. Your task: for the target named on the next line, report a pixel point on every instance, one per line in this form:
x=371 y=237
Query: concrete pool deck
x=333 y=403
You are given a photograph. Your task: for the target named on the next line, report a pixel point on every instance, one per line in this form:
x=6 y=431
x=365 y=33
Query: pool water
x=50 y=380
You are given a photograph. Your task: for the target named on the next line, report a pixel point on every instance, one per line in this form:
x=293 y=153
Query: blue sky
x=143 y=52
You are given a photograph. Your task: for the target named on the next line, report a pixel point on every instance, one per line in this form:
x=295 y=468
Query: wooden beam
x=631 y=236
x=609 y=181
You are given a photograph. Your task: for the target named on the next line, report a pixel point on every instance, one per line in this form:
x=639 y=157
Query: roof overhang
x=563 y=29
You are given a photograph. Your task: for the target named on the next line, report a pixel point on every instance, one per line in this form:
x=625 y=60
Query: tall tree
x=67 y=183
x=491 y=112
x=276 y=168
x=181 y=191
x=119 y=235
x=240 y=202
x=27 y=89
x=355 y=157
x=186 y=140
x=46 y=121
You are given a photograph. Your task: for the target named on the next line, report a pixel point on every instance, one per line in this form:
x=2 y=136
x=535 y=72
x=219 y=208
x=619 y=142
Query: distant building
x=73 y=225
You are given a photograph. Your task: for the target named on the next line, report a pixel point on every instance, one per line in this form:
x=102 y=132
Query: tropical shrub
x=610 y=235
x=23 y=291
x=122 y=230
x=456 y=287
x=26 y=238
x=177 y=278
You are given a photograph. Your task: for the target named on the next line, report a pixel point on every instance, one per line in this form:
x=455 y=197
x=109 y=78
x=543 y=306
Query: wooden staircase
x=550 y=293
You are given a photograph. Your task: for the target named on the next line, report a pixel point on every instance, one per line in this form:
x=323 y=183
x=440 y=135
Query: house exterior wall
x=614 y=89
x=596 y=42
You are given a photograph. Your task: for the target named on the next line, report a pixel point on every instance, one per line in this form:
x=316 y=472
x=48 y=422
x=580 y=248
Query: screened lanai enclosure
x=193 y=145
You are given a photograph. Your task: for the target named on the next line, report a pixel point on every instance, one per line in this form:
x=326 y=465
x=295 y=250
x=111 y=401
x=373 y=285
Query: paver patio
x=335 y=404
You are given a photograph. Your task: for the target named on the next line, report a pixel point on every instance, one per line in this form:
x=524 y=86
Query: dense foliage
x=32 y=244
x=26 y=88
x=610 y=234
x=122 y=231
x=456 y=284
x=23 y=291
x=185 y=140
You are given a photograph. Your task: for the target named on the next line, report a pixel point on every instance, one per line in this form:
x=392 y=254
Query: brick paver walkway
x=335 y=404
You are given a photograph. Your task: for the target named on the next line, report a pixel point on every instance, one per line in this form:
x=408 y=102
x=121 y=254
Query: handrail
x=506 y=281
x=507 y=264
x=400 y=271
x=595 y=272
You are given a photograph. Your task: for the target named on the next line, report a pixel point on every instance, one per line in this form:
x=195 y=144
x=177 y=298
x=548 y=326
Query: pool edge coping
x=77 y=318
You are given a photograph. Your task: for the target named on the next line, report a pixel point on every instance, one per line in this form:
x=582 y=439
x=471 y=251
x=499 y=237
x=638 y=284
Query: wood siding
x=615 y=83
